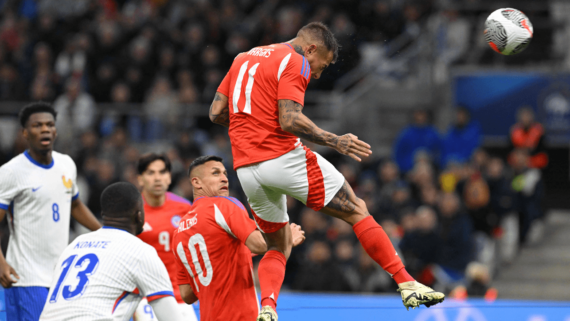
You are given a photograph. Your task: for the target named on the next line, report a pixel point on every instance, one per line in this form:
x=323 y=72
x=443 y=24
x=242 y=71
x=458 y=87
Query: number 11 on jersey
x=248 y=87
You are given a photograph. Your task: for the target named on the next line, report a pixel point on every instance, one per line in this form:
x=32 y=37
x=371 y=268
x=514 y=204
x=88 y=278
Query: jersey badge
x=175 y=220
x=68 y=183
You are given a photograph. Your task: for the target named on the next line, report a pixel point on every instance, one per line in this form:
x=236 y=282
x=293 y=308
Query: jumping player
x=39 y=192
x=103 y=275
x=261 y=101
x=213 y=247
x=163 y=211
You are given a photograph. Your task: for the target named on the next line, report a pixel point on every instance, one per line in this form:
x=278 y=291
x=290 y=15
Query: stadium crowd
x=155 y=62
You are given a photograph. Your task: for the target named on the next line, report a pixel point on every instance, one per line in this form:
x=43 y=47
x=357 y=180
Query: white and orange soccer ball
x=508 y=31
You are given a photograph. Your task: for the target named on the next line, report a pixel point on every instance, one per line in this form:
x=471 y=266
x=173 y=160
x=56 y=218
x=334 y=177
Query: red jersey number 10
x=197 y=239
x=248 y=87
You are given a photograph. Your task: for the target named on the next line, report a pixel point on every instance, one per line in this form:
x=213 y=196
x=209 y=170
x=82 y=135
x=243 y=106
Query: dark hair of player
x=319 y=31
x=34 y=108
x=203 y=160
x=147 y=159
x=120 y=200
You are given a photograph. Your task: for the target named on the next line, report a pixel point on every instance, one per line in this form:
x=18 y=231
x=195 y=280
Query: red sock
x=377 y=244
x=271 y=273
x=402 y=276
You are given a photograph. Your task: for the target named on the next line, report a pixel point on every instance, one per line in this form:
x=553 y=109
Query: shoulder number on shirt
x=89 y=262
x=205 y=278
x=248 y=87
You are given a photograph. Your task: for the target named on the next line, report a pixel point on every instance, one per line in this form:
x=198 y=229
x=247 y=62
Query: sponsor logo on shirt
x=147 y=227
x=175 y=220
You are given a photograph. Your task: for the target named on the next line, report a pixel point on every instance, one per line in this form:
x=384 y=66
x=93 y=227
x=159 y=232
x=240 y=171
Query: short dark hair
x=203 y=160
x=321 y=32
x=147 y=159
x=34 y=108
x=120 y=200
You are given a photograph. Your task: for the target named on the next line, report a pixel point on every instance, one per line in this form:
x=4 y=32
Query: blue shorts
x=25 y=303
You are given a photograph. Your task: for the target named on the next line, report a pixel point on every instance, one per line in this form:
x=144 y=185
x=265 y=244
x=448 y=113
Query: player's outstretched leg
x=346 y=206
x=271 y=270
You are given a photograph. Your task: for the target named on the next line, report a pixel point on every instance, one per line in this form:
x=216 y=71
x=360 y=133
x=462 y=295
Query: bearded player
x=261 y=101
x=163 y=211
x=214 y=244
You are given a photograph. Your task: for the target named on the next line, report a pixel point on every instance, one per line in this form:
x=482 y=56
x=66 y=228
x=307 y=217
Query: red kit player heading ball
x=261 y=101
x=213 y=246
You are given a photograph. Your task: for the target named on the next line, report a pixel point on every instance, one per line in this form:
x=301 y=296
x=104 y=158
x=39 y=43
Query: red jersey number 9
x=248 y=87
x=164 y=240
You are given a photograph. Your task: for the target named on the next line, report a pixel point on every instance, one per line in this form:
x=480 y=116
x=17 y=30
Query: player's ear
x=312 y=49
x=195 y=181
x=169 y=180
x=25 y=133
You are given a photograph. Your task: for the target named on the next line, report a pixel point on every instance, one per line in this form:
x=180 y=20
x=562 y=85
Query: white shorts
x=144 y=312
x=300 y=173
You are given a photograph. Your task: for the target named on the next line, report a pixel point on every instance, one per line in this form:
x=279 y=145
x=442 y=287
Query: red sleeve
x=238 y=222
x=294 y=79
x=224 y=87
x=182 y=276
x=181 y=273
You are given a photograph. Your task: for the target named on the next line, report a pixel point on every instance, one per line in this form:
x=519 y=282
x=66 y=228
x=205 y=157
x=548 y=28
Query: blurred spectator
x=11 y=87
x=502 y=198
x=420 y=243
x=389 y=174
x=103 y=175
x=71 y=60
x=451 y=34
x=461 y=140
x=400 y=200
x=76 y=112
x=317 y=274
x=161 y=109
x=420 y=136
x=529 y=135
x=527 y=183
x=455 y=250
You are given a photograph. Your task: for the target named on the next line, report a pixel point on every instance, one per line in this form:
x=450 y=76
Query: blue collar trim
x=114 y=228
x=29 y=157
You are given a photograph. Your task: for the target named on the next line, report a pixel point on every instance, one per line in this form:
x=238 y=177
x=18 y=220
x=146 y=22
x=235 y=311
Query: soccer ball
x=508 y=31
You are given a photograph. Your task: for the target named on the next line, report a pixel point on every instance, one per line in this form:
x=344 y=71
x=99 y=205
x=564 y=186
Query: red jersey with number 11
x=254 y=84
x=211 y=256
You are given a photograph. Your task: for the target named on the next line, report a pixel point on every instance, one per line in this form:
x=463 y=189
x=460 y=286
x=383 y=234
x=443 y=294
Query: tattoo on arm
x=341 y=201
x=223 y=118
x=293 y=121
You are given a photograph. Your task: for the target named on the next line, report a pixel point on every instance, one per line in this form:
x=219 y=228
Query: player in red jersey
x=163 y=211
x=261 y=101
x=213 y=246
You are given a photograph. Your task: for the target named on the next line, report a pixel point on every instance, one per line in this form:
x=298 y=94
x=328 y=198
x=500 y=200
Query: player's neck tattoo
x=299 y=50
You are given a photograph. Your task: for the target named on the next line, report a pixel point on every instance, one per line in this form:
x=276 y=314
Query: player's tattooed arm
x=292 y=120
x=220 y=111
